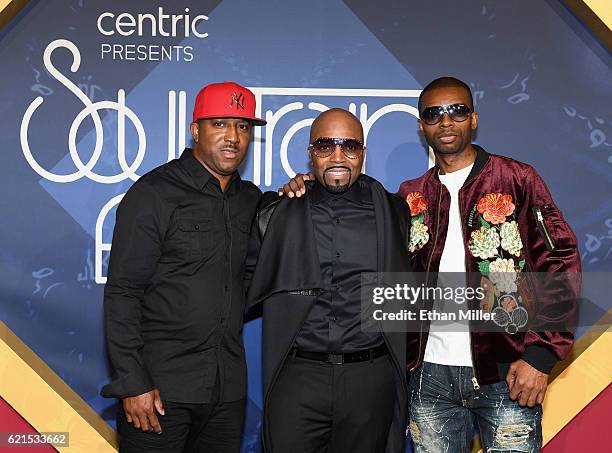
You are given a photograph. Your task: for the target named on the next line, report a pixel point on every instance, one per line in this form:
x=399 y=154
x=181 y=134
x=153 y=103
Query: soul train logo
x=265 y=139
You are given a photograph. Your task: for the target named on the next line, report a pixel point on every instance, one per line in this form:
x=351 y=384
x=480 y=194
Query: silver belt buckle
x=336 y=359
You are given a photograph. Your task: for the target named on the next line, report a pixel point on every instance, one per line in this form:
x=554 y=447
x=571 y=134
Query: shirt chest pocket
x=195 y=237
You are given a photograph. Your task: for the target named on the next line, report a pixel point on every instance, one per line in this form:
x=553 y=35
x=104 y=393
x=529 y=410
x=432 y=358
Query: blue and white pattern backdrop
x=95 y=94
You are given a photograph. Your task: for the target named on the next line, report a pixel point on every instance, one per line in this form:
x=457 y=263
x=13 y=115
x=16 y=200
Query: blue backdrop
x=90 y=101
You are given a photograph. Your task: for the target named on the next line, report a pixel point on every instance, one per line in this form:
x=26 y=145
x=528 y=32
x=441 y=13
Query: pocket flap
x=194 y=225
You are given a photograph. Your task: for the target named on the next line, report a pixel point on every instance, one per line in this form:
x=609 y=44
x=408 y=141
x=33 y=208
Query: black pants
x=322 y=408
x=192 y=428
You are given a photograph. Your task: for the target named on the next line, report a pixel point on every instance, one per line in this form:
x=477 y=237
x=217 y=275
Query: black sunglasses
x=324 y=147
x=457 y=112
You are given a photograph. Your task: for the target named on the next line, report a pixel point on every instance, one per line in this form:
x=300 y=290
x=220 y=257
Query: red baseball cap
x=226 y=100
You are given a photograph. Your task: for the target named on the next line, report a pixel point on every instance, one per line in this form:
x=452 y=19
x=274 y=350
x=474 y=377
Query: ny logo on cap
x=239 y=99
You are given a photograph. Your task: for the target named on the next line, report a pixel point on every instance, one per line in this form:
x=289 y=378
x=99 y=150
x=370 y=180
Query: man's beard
x=334 y=186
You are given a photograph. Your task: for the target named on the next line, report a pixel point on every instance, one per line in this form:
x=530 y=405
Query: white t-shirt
x=450 y=344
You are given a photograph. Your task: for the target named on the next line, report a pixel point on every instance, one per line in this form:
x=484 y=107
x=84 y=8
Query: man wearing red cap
x=174 y=303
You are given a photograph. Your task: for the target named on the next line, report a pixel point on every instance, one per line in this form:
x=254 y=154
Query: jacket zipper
x=474 y=378
x=433 y=248
x=475 y=383
x=548 y=240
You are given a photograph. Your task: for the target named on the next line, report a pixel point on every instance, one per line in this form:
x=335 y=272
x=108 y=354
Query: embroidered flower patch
x=511 y=238
x=419 y=232
x=495 y=207
x=484 y=243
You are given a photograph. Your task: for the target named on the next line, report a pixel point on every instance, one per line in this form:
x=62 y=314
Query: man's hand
x=140 y=410
x=526 y=383
x=296 y=186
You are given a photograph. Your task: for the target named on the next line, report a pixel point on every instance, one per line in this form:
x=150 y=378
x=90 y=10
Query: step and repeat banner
x=95 y=94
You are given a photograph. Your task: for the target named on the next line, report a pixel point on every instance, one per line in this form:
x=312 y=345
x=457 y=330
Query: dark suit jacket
x=283 y=274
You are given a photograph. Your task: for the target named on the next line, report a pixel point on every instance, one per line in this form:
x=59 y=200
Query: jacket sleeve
x=137 y=244
x=553 y=264
x=265 y=209
x=252 y=255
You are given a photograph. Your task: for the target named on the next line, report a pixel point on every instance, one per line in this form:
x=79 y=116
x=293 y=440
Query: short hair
x=445 y=82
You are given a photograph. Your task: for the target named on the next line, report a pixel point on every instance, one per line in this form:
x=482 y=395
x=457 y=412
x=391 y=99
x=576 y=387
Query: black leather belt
x=339 y=359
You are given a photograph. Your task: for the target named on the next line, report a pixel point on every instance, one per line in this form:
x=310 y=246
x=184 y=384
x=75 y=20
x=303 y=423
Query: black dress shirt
x=174 y=299
x=345 y=232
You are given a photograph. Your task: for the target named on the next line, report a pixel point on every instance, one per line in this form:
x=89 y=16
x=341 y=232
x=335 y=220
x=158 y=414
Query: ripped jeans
x=444 y=406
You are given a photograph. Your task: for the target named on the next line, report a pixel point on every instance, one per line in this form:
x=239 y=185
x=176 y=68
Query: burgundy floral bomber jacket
x=510 y=225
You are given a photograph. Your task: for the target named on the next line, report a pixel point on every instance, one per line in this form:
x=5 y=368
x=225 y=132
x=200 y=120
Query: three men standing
x=174 y=299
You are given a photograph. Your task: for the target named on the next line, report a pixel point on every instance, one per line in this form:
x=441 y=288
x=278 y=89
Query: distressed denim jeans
x=444 y=405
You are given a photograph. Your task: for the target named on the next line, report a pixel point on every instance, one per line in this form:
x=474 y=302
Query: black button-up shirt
x=345 y=231
x=174 y=299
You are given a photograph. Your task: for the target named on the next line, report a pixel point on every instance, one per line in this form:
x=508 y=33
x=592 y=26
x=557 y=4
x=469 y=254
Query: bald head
x=337 y=123
x=336 y=130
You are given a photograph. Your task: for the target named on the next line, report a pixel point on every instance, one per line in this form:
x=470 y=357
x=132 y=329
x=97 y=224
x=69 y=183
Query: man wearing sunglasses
x=479 y=212
x=329 y=385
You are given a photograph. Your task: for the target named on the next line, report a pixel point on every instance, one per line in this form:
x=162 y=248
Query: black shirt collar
x=200 y=174
x=358 y=193
x=482 y=157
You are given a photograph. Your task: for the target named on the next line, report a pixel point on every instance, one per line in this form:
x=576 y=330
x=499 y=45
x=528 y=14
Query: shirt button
x=334 y=319
x=225 y=288
x=337 y=220
x=337 y=254
x=197 y=227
